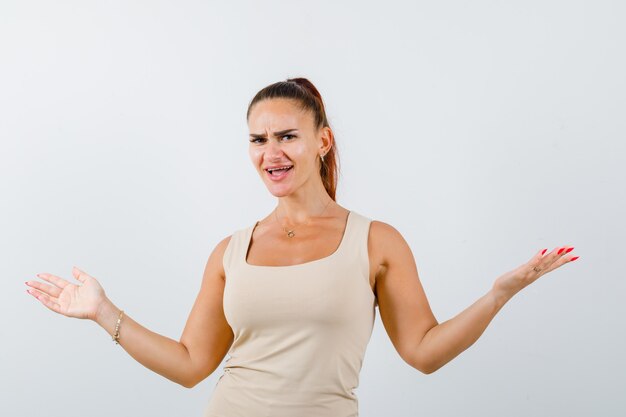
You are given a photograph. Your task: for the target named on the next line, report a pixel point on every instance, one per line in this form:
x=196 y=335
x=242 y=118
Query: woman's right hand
x=63 y=297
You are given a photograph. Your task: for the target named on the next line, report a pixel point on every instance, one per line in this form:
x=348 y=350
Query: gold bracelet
x=116 y=336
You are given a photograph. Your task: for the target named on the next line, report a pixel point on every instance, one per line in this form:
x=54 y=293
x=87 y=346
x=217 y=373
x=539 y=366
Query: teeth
x=278 y=169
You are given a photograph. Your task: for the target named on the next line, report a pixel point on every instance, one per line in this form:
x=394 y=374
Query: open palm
x=513 y=281
x=71 y=300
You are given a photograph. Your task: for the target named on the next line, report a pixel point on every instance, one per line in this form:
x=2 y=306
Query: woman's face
x=283 y=135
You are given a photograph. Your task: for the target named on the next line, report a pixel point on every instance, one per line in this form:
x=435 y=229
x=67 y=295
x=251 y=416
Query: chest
x=274 y=248
x=277 y=249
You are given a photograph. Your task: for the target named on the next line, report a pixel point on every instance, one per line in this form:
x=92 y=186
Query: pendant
x=291 y=233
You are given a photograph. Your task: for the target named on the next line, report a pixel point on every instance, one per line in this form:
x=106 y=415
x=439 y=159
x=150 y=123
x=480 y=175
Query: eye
x=254 y=140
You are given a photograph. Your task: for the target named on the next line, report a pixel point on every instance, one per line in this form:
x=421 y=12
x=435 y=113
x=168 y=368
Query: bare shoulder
x=214 y=264
x=223 y=244
x=384 y=239
x=384 y=231
x=218 y=255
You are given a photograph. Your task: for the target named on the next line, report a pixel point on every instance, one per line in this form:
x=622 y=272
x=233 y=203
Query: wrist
x=500 y=297
x=106 y=313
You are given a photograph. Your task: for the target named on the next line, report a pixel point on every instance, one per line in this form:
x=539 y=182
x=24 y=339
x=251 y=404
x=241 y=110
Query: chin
x=279 y=190
x=279 y=193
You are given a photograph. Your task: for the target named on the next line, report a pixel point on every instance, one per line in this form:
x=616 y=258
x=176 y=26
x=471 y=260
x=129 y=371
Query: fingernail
x=560 y=250
x=574 y=258
x=544 y=251
x=569 y=250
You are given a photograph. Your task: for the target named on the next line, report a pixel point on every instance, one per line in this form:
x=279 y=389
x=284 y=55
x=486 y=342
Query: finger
x=563 y=250
x=58 y=281
x=79 y=275
x=547 y=260
x=537 y=262
x=554 y=259
x=48 y=289
x=559 y=253
x=562 y=260
x=541 y=266
x=39 y=294
x=45 y=300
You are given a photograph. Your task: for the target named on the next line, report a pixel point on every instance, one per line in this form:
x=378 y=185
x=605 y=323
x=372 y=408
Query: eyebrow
x=279 y=133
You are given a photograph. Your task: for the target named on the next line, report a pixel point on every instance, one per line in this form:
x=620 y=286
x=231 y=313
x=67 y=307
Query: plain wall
x=483 y=131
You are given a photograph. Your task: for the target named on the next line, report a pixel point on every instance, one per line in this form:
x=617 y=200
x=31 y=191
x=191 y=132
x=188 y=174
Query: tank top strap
x=356 y=241
x=233 y=254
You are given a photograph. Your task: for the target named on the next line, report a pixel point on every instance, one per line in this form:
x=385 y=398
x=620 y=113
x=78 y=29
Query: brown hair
x=305 y=93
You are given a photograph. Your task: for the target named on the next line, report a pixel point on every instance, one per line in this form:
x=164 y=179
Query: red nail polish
x=569 y=250
x=574 y=258
x=560 y=250
x=544 y=251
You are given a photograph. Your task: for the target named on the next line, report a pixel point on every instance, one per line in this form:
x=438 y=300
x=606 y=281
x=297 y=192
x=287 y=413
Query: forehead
x=278 y=114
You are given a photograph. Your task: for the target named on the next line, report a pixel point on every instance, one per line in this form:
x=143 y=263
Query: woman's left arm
x=420 y=340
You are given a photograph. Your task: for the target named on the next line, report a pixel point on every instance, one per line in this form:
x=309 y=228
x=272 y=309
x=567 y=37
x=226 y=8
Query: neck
x=302 y=205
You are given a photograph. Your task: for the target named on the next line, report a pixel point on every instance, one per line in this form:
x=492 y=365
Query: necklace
x=291 y=232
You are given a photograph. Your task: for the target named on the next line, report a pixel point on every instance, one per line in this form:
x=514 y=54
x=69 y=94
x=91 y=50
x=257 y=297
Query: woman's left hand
x=507 y=285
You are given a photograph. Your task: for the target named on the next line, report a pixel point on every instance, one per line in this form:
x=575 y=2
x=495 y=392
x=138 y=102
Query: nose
x=273 y=150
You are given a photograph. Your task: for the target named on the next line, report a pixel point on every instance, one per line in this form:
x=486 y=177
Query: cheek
x=300 y=153
x=255 y=154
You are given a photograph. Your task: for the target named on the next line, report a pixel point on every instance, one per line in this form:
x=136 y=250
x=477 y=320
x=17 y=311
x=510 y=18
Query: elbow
x=192 y=374
x=186 y=384
x=424 y=366
x=189 y=383
x=427 y=370
x=195 y=378
x=421 y=364
x=189 y=380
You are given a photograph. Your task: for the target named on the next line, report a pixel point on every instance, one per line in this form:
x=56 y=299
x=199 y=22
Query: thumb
x=79 y=275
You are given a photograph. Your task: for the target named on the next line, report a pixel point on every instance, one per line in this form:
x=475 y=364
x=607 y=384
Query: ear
x=327 y=140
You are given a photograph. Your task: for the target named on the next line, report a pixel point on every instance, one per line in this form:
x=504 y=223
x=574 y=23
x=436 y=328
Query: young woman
x=292 y=298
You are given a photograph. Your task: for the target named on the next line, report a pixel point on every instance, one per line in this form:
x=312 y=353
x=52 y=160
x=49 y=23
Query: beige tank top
x=300 y=331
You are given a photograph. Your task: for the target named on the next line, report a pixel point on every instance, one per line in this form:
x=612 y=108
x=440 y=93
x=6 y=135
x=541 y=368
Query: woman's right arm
x=203 y=344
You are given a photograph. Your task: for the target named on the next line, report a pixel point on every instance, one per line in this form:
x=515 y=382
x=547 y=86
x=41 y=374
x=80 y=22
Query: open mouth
x=278 y=173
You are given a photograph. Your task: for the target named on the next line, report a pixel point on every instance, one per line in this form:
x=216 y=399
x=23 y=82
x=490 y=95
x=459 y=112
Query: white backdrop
x=483 y=131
